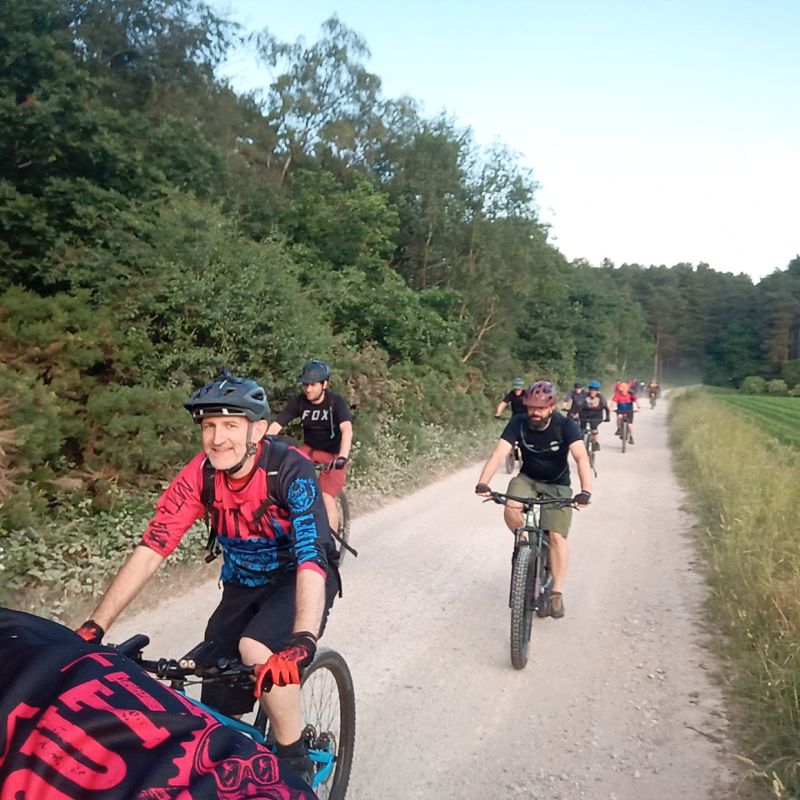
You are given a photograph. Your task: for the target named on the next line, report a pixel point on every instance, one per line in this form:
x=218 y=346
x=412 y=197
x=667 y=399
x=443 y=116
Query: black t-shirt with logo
x=544 y=453
x=517 y=406
x=321 y=421
x=82 y=721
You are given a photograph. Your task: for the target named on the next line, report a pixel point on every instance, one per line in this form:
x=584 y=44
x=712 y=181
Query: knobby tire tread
x=521 y=617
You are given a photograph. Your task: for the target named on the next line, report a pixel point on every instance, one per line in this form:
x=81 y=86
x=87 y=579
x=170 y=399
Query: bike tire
x=542 y=569
x=343 y=505
x=521 y=613
x=624 y=435
x=327 y=676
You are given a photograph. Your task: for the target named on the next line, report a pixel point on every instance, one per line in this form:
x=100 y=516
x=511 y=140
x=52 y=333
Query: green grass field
x=777 y=416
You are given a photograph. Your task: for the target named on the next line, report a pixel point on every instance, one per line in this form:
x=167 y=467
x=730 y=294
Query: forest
x=156 y=225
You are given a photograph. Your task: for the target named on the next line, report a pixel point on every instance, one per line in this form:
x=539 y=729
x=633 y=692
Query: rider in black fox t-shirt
x=82 y=721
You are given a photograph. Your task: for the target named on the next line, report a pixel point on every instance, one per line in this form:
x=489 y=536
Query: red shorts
x=331 y=482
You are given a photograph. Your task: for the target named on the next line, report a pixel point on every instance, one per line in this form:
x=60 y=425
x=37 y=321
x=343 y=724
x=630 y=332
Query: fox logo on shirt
x=319 y=413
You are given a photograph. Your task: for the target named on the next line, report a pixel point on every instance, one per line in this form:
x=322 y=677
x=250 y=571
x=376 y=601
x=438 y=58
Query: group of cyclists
x=272 y=517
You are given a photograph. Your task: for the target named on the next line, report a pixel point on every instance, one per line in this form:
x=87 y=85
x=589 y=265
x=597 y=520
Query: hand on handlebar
x=91 y=632
x=286 y=667
x=582 y=499
x=483 y=489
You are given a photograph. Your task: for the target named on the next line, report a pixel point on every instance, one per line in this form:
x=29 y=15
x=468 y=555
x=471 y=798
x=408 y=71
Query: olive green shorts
x=551 y=519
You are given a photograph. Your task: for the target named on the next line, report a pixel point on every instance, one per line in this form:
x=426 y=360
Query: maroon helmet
x=541 y=394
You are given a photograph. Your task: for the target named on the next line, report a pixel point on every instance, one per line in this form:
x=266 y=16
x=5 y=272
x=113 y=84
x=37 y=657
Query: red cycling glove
x=91 y=632
x=286 y=666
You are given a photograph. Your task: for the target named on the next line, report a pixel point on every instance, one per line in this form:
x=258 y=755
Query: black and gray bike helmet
x=228 y=396
x=314 y=372
x=518 y=383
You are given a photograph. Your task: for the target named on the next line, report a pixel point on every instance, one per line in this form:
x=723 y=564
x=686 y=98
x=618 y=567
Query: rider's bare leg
x=559 y=559
x=282 y=703
x=333 y=512
x=513 y=515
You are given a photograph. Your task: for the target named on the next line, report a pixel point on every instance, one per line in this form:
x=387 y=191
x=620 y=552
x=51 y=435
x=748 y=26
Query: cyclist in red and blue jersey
x=624 y=400
x=278 y=575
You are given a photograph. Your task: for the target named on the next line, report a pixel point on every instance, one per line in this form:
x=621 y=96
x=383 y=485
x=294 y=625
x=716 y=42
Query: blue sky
x=660 y=132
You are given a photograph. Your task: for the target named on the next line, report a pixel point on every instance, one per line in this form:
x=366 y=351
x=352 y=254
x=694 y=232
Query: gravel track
x=617 y=699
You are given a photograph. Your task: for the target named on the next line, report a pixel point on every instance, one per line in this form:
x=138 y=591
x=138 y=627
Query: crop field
x=778 y=416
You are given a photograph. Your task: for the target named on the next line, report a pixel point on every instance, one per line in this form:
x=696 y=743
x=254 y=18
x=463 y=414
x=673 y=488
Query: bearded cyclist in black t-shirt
x=545 y=439
x=514 y=398
x=327 y=430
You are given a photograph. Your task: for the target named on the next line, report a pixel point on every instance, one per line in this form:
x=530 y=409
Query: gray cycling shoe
x=556 y=605
x=303 y=766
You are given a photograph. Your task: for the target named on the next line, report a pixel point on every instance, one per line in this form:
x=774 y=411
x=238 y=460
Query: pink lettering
x=28 y=785
x=42 y=743
x=88 y=694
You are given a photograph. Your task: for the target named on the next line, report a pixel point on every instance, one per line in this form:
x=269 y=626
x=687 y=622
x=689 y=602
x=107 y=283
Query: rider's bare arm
x=347 y=439
x=502 y=449
x=309 y=601
x=274 y=429
x=130 y=580
x=578 y=452
x=500 y=409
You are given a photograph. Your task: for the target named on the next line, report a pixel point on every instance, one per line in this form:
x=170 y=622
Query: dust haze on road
x=617 y=700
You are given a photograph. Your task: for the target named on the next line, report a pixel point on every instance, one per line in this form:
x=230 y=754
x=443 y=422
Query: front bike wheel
x=624 y=435
x=343 y=507
x=521 y=607
x=328 y=708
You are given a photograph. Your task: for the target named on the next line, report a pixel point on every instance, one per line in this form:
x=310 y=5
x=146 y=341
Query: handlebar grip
x=132 y=647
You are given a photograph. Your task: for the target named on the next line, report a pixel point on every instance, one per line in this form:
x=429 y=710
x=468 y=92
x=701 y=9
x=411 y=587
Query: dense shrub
x=753 y=385
x=777 y=387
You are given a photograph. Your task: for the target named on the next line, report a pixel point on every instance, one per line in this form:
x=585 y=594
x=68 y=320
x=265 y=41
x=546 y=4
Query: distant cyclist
x=573 y=402
x=624 y=401
x=327 y=430
x=594 y=411
x=653 y=391
x=268 y=517
x=83 y=721
x=514 y=398
x=545 y=439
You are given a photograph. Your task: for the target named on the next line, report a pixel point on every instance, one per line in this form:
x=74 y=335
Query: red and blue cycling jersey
x=260 y=543
x=624 y=401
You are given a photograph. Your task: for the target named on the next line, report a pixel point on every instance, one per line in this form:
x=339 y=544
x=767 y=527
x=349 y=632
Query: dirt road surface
x=617 y=700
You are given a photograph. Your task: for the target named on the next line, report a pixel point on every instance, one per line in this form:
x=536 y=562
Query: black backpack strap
x=207 y=498
x=275 y=453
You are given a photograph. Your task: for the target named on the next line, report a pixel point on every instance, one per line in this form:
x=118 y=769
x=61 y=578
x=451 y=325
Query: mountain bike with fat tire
x=531 y=578
x=327 y=701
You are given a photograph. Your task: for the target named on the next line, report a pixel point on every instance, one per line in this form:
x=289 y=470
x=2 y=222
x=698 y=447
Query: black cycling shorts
x=595 y=423
x=263 y=613
x=629 y=414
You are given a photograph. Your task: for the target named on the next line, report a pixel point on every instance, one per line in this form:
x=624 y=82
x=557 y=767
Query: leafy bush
x=753 y=385
x=777 y=387
x=795 y=392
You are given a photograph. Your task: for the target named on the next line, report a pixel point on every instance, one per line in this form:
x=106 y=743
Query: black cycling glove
x=339 y=463
x=582 y=499
x=483 y=488
x=91 y=632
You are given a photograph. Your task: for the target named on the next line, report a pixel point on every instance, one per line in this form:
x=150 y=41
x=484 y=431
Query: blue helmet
x=228 y=396
x=314 y=372
x=594 y=385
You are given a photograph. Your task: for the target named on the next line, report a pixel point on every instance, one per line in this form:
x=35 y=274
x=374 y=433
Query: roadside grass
x=745 y=487
x=777 y=416
x=59 y=571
